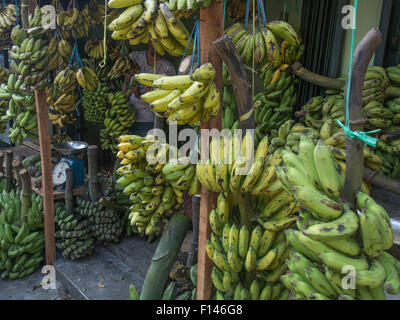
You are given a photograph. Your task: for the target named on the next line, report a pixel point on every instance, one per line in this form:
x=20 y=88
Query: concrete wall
x=368 y=16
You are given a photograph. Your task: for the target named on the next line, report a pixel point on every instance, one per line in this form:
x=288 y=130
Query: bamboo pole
x=355 y=147
x=8 y=170
x=69 y=187
x=210 y=30
x=26 y=201
x=94 y=187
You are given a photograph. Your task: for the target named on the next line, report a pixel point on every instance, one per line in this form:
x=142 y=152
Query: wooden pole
x=69 y=187
x=8 y=170
x=94 y=188
x=210 y=29
x=48 y=200
x=26 y=193
x=355 y=147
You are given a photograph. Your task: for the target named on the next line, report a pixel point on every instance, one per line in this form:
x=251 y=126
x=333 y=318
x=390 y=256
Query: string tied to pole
x=350 y=134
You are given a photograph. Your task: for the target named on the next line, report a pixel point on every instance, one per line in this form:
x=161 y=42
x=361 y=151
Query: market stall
x=272 y=208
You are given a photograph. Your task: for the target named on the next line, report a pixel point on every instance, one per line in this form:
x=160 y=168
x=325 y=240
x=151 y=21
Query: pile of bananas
x=186 y=99
x=267 y=51
x=95 y=103
x=4 y=73
x=74 y=235
x=21 y=243
x=183 y=283
x=122 y=67
x=152 y=22
x=186 y=9
x=119 y=119
x=152 y=199
x=60 y=137
x=75 y=23
x=105 y=224
x=332 y=236
x=8 y=17
x=87 y=78
x=393 y=74
x=21 y=108
x=274 y=105
x=94 y=48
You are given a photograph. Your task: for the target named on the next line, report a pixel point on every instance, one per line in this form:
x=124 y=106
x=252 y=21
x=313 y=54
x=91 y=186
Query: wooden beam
x=48 y=201
x=210 y=30
x=355 y=147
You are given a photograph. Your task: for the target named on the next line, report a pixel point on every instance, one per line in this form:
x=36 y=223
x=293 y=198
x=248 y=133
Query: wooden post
x=355 y=147
x=1 y=162
x=26 y=193
x=17 y=166
x=94 y=188
x=210 y=30
x=69 y=187
x=8 y=170
x=47 y=182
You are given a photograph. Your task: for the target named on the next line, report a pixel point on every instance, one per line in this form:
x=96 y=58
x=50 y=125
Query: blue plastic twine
x=16 y=8
x=246 y=22
x=350 y=134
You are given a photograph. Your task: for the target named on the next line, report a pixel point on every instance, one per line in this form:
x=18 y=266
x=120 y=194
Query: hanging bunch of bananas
x=118 y=120
x=186 y=99
x=183 y=283
x=123 y=66
x=8 y=17
x=236 y=10
x=22 y=241
x=152 y=22
x=3 y=110
x=74 y=236
x=87 y=78
x=62 y=98
x=74 y=23
x=229 y=105
x=65 y=50
x=274 y=105
x=267 y=52
x=94 y=48
x=105 y=224
x=60 y=137
x=153 y=200
x=54 y=55
x=94 y=13
x=21 y=109
x=95 y=103
x=332 y=236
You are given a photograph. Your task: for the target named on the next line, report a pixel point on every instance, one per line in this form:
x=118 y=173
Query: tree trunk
x=241 y=84
x=164 y=257
x=94 y=188
x=192 y=258
x=26 y=193
x=9 y=173
x=69 y=187
x=355 y=147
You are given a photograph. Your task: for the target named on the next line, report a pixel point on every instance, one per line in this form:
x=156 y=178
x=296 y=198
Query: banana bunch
x=64 y=49
x=74 y=23
x=150 y=21
x=393 y=74
x=55 y=58
x=329 y=229
x=274 y=106
x=122 y=67
x=105 y=224
x=186 y=99
x=74 y=235
x=21 y=243
x=8 y=17
x=260 y=47
x=62 y=104
x=375 y=84
x=95 y=103
x=21 y=108
x=184 y=8
x=229 y=105
x=94 y=48
x=152 y=199
x=181 y=175
x=87 y=78
x=183 y=283
x=236 y=10
x=118 y=121
x=3 y=110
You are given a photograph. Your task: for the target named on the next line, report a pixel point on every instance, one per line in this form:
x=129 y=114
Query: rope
x=348 y=132
x=284 y=11
x=187 y=46
x=71 y=60
x=4 y=4
x=261 y=3
x=246 y=22
x=102 y=64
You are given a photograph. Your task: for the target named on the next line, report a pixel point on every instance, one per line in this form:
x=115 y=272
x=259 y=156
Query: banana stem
x=69 y=186
x=314 y=78
x=24 y=13
x=392 y=92
x=355 y=147
x=381 y=181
